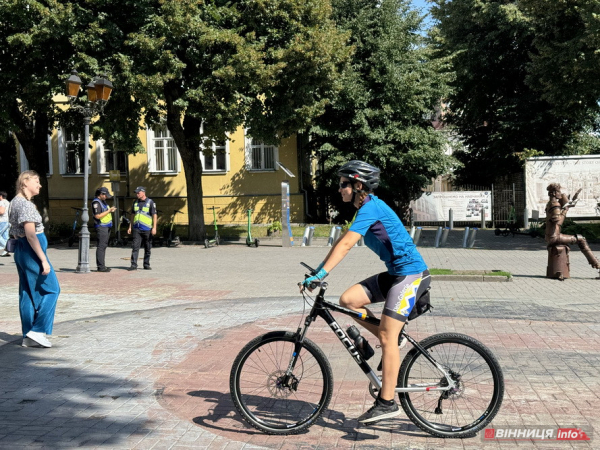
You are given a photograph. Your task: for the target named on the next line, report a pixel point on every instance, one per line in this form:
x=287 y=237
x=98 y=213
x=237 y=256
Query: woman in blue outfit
x=405 y=279
x=38 y=285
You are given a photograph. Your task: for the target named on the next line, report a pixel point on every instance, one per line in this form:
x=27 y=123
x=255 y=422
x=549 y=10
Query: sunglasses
x=345 y=184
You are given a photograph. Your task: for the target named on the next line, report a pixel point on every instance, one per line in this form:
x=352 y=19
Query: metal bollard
x=472 y=235
x=451 y=219
x=311 y=233
x=417 y=236
x=412 y=232
x=305 y=237
x=483 y=218
x=526 y=219
x=338 y=232
x=331 y=237
x=466 y=237
x=438 y=236
x=444 y=237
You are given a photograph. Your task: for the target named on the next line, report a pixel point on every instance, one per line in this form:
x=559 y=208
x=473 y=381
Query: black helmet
x=361 y=171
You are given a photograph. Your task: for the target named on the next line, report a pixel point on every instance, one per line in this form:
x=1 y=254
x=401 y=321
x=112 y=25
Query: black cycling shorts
x=399 y=293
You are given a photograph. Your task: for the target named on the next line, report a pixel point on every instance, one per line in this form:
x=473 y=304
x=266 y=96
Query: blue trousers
x=38 y=293
x=4 y=226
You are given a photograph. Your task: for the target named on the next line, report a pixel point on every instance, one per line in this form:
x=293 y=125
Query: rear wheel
x=269 y=400
x=467 y=408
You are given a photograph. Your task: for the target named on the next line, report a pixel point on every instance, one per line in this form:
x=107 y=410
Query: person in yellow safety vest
x=143 y=225
x=103 y=222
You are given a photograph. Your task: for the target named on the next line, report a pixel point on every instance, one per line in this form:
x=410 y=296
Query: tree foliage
x=35 y=51
x=565 y=65
x=388 y=96
x=268 y=64
x=500 y=105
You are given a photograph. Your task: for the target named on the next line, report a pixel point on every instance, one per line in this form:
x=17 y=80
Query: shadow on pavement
x=224 y=411
x=58 y=406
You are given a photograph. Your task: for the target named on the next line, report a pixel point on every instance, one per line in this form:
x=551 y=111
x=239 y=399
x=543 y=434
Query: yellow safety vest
x=105 y=221
x=142 y=218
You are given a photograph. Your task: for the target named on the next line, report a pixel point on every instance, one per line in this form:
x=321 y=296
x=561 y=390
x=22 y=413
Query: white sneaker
x=40 y=338
x=27 y=342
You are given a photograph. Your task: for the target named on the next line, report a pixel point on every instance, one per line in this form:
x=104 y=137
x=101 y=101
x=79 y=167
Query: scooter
x=215 y=241
x=249 y=241
x=170 y=238
x=120 y=239
x=73 y=236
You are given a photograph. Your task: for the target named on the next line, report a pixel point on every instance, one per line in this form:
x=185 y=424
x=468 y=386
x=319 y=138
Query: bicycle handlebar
x=312 y=271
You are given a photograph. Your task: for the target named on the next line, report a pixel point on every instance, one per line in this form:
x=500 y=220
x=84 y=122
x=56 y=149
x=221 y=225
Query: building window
x=260 y=156
x=214 y=155
x=73 y=153
x=162 y=152
x=106 y=159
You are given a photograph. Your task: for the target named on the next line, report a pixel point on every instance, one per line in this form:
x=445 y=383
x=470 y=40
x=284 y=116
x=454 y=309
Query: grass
x=488 y=273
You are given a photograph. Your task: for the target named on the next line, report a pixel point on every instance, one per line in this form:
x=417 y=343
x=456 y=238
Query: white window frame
x=214 y=149
x=101 y=158
x=249 y=147
x=150 y=151
x=24 y=162
x=62 y=155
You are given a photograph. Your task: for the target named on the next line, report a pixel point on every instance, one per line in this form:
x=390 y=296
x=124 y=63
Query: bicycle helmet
x=361 y=171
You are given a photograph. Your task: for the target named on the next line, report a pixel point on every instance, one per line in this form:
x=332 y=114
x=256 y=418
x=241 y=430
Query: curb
x=489 y=278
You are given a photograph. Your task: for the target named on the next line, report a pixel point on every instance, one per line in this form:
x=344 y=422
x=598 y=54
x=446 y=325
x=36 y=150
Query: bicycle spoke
x=269 y=396
x=462 y=406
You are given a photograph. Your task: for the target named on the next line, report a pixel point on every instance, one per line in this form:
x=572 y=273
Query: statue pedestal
x=558 y=262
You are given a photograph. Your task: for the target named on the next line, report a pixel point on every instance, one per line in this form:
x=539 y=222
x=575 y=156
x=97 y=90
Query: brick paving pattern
x=142 y=359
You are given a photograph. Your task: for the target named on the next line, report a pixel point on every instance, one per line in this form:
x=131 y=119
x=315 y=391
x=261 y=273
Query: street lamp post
x=98 y=93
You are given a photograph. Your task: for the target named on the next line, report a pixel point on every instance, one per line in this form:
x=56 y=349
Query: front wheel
x=270 y=400
x=471 y=404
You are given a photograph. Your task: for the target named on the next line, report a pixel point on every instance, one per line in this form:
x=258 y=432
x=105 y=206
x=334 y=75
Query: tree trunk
x=33 y=137
x=187 y=139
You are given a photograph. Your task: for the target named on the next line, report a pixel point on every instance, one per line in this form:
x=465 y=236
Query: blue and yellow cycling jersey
x=385 y=234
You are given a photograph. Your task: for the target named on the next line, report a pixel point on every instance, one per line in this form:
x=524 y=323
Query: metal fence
x=505 y=191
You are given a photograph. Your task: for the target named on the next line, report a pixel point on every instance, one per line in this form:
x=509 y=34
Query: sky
x=423 y=6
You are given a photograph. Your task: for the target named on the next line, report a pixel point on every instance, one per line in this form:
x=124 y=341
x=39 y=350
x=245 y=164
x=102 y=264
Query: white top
x=4 y=217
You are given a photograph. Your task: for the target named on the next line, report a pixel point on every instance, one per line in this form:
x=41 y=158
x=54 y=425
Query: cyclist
x=399 y=287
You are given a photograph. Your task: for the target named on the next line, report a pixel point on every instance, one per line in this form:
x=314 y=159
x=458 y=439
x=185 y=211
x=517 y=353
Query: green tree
x=8 y=165
x=388 y=97
x=565 y=65
x=495 y=111
x=35 y=38
x=269 y=64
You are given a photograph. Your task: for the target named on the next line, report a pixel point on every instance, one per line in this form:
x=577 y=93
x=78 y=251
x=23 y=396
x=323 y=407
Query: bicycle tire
x=263 y=402
x=71 y=241
x=480 y=377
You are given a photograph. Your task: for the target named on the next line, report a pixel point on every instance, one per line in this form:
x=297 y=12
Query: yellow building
x=241 y=174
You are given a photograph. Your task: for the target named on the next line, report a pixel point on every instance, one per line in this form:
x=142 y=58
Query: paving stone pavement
x=141 y=360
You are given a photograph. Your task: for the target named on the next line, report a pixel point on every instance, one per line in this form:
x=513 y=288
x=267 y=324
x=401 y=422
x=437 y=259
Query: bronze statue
x=556 y=211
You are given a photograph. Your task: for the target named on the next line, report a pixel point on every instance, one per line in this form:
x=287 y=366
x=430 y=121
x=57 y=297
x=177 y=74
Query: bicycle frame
x=321 y=308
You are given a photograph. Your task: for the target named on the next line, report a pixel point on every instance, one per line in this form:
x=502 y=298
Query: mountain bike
x=449 y=384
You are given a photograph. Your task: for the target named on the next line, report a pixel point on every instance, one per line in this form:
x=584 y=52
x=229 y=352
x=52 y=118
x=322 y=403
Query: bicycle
x=281 y=382
x=73 y=236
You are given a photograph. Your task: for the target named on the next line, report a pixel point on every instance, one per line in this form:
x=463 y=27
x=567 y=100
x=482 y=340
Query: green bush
x=591 y=231
x=274 y=226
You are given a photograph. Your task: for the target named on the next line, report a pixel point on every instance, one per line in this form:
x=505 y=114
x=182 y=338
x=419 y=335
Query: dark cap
x=140 y=189
x=103 y=190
